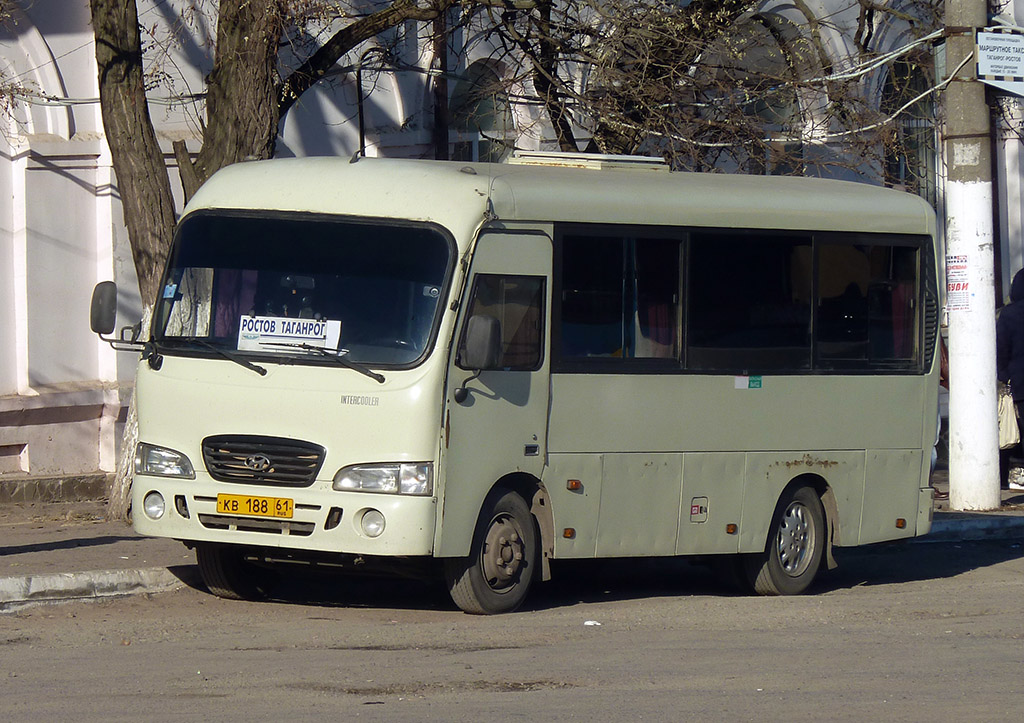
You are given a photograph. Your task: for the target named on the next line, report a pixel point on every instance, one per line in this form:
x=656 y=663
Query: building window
x=910 y=159
x=751 y=89
x=481 y=116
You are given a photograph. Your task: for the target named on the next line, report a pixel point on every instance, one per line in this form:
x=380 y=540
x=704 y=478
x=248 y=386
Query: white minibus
x=472 y=370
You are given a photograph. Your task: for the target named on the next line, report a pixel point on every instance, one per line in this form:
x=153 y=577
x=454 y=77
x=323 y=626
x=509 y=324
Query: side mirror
x=103 y=312
x=482 y=348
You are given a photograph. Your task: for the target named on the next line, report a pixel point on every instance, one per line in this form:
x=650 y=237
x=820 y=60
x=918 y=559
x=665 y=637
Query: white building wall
x=59 y=400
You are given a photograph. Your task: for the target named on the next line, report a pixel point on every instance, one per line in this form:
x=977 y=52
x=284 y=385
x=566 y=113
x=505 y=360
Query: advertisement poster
x=958 y=296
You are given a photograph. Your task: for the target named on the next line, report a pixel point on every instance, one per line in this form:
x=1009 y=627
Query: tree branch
x=310 y=72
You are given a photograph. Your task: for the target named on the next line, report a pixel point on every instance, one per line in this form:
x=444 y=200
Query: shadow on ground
x=592 y=581
x=64 y=544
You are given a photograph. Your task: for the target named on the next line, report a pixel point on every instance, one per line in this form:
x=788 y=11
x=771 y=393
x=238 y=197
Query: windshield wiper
x=338 y=356
x=225 y=353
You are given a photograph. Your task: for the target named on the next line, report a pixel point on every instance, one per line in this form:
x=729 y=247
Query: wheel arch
x=829 y=504
x=537 y=499
x=798 y=541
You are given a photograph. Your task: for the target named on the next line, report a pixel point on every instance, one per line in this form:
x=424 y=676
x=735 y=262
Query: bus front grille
x=253 y=459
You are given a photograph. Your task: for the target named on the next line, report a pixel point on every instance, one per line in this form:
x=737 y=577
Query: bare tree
x=711 y=84
x=10 y=89
x=685 y=80
x=246 y=98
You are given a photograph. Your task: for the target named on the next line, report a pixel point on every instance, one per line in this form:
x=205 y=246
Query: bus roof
x=456 y=194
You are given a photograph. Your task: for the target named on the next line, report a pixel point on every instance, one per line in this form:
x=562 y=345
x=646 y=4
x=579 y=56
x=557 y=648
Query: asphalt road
x=916 y=632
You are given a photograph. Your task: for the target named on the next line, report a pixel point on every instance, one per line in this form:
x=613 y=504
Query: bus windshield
x=300 y=285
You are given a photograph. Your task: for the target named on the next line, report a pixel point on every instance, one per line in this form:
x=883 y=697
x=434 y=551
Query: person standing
x=1010 y=364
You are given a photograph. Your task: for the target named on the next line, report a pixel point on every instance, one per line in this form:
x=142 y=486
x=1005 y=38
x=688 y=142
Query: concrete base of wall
x=55 y=489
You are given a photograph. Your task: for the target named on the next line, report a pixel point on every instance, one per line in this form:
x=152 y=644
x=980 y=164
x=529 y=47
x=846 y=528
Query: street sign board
x=1001 y=61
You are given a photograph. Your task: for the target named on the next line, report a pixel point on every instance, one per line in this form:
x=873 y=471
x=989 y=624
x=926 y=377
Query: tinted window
x=517 y=302
x=739 y=301
x=867 y=306
x=748 y=302
x=620 y=297
x=375 y=287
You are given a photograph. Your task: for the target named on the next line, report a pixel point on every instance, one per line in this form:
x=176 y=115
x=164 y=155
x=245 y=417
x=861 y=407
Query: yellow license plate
x=255 y=506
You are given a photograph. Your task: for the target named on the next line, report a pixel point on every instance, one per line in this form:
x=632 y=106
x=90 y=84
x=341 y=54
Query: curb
x=55 y=489
x=956 y=527
x=19 y=592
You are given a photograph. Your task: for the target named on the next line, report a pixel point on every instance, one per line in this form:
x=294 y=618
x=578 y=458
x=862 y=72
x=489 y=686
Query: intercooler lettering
x=362 y=401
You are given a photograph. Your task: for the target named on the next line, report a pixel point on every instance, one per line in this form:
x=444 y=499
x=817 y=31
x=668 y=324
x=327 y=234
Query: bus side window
x=516 y=302
x=867 y=305
x=749 y=302
x=620 y=297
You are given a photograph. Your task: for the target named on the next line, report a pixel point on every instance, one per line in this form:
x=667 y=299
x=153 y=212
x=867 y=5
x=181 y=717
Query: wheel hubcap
x=502 y=553
x=796 y=539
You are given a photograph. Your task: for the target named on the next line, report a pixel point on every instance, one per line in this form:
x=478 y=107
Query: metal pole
x=973 y=431
x=359 y=94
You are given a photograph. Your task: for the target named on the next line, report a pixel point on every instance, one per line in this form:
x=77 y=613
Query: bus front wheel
x=795 y=546
x=228 y=575
x=497 y=574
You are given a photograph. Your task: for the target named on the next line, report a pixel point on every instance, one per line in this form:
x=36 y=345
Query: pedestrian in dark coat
x=1010 y=361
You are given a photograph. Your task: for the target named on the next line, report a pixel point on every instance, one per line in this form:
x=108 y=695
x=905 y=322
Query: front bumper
x=323 y=520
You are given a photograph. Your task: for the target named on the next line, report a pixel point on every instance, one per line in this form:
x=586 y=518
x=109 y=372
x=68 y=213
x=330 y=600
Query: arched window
x=753 y=94
x=910 y=159
x=481 y=116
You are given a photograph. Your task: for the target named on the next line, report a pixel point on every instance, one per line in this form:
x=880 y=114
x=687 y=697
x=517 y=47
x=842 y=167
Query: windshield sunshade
x=302 y=285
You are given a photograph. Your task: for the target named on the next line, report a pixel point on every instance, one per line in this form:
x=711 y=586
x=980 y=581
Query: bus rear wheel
x=497 y=574
x=228 y=575
x=796 y=544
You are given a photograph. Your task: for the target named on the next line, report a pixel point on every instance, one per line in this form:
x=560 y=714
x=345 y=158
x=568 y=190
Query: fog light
x=372 y=523
x=153 y=504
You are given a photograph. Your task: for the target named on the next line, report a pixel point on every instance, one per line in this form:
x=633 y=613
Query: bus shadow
x=912 y=561
x=358 y=591
x=577 y=582
x=573 y=582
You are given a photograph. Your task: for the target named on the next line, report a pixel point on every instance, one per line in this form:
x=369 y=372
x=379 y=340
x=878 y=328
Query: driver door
x=500 y=427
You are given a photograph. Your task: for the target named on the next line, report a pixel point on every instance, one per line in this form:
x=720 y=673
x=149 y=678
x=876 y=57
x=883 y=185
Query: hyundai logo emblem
x=257 y=462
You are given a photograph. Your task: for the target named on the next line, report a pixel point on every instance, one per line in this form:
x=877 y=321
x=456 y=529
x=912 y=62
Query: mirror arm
x=123 y=345
x=462 y=393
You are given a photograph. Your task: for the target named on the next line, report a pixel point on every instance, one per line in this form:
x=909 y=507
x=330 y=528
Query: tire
x=228 y=575
x=497 y=574
x=795 y=547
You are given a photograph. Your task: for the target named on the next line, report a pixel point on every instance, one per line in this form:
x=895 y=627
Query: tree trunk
x=142 y=180
x=138 y=162
x=241 y=93
x=439 y=88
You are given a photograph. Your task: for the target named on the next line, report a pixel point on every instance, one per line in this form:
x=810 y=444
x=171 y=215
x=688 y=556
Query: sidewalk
x=67 y=550
x=947 y=525
x=52 y=551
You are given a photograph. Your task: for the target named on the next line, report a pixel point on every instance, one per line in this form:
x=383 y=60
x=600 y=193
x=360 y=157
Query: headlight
x=398 y=478
x=162 y=462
